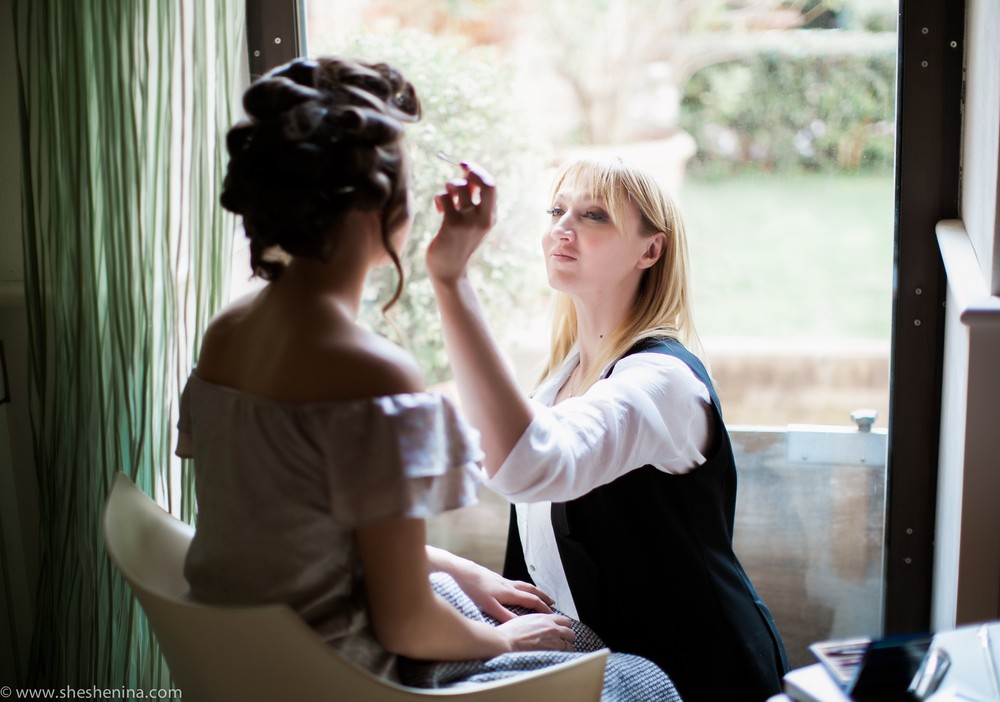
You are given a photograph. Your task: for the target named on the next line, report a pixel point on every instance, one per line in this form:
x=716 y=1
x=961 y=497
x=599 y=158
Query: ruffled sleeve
x=406 y=455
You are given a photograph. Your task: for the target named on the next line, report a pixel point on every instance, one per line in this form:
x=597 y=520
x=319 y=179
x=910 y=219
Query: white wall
x=981 y=149
x=967 y=542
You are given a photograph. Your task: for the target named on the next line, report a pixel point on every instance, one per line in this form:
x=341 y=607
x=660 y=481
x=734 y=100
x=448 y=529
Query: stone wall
x=776 y=383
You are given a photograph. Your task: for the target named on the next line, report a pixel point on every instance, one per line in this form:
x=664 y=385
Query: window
x=929 y=85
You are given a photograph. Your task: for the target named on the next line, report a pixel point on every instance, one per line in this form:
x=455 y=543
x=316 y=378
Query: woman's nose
x=563 y=228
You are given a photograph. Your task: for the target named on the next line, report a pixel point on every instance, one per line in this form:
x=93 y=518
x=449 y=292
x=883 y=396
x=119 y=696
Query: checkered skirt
x=627 y=678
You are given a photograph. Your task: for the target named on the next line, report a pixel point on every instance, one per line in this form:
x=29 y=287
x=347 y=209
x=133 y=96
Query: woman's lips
x=562 y=256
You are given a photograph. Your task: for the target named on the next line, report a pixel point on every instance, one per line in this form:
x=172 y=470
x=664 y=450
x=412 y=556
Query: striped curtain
x=124 y=106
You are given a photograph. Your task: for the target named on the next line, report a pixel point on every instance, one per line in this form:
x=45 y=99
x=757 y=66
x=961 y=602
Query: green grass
x=791 y=256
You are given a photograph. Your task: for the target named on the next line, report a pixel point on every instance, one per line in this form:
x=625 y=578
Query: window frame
x=275 y=33
x=927 y=175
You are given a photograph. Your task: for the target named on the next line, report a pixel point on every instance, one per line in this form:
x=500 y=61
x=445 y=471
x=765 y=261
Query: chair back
x=223 y=654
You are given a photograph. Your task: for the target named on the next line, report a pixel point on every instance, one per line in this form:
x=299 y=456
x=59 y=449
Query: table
x=970 y=677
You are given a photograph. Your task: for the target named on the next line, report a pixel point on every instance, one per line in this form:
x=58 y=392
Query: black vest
x=650 y=563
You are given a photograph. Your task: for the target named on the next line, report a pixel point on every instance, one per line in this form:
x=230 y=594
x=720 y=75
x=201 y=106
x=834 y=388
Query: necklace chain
x=573 y=382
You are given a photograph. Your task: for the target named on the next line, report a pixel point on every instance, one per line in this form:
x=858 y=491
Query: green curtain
x=124 y=106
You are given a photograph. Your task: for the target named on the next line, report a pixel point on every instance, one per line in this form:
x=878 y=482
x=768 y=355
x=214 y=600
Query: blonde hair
x=662 y=305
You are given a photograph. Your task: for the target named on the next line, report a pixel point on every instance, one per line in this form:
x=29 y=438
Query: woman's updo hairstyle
x=323 y=137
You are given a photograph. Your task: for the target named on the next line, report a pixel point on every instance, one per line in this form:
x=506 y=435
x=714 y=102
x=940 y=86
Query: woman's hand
x=539 y=632
x=468 y=209
x=491 y=592
x=491 y=396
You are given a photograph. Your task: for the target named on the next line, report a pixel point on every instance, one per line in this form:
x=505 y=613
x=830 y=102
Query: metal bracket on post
x=836 y=445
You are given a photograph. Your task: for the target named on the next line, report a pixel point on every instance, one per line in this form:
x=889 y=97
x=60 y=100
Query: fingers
x=460 y=193
x=445 y=204
x=522 y=594
x=498 y=611
x=454 y=202
x=541 y=632
x=475 y=193
x=528 y=601
x=567 y=635
x=484 y=184
x=564 y=632
x=529 y=588
x=461 y=196
x=479 y=175
x=564 y=621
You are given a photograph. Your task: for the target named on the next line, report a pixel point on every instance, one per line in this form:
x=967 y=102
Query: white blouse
x=652 y=409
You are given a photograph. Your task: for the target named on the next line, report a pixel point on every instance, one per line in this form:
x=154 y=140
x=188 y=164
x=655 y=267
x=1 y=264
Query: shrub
x=471 y=112
x=784 y=113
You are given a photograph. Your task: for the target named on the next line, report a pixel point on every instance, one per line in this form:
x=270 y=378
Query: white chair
x=216 y=654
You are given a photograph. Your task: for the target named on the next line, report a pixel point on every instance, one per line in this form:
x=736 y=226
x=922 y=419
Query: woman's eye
x=595 y=216
x=556 y=211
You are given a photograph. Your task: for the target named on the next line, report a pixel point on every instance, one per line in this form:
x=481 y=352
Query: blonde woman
x=620 y=464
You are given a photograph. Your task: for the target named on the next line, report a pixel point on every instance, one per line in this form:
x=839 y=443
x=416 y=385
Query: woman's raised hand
x=492 y=399
x=468 y=212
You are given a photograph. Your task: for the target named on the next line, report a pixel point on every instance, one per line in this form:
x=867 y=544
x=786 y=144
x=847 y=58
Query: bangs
x=603 y=179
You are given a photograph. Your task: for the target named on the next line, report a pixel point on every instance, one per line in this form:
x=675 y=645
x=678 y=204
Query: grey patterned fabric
x=627 y=678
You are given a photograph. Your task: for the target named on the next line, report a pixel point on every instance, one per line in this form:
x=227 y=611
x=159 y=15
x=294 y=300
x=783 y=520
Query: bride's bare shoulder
x=374 y=366
x=264 y=348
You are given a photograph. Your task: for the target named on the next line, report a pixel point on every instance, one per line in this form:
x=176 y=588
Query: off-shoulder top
x=281 y=488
